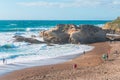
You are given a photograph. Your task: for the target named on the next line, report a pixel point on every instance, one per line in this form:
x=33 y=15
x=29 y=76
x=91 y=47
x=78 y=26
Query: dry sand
x=90 y=67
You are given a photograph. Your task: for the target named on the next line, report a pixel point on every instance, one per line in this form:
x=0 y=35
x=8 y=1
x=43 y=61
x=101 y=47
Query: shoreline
x=8 y=68
x=90 y=59
x=44 y=62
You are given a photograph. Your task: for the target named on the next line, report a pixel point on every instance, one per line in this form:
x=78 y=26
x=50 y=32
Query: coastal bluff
x=70 y=33
x=113 y=26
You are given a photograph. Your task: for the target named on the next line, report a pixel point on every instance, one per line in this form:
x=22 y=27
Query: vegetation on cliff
x=114 y=25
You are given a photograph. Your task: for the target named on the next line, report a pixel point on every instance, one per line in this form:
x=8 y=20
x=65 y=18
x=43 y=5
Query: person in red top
x=74 y=66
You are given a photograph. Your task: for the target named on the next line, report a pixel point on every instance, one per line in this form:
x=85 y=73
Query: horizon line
x=55 y=20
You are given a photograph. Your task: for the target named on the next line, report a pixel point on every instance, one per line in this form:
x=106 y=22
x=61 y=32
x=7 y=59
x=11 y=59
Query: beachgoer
x=4 y=60
x=105 y=56
x=74 y=66
x=84 y=52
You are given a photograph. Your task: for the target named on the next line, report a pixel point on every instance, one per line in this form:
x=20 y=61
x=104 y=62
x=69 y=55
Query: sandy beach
x=90 y=66
x=60 y=40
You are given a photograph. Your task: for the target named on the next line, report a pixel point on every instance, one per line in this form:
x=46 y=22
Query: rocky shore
x=113 y=26
x=70 y=33
x=67 y=33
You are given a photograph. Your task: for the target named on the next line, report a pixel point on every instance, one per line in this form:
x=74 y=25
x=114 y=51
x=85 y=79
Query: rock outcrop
x=69 y=33
x=29 y=40
x=88 y=34
x=113 y=27
x=56 y=35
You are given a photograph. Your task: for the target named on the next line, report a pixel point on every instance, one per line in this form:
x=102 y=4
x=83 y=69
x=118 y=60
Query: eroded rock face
x=113 y=26
x=64 y=33
x=88 y=34
x=56 y=35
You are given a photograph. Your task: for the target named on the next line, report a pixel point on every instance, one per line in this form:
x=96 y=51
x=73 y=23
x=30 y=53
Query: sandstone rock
x=113 y=26
x=56 y=35
x=88 y=34
x=29 y=40
x=64 y=33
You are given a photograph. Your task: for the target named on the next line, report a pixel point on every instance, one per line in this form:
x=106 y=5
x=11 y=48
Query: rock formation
x=64 y=33
x=56 y=35
x=29 y=40
x=113 y=27
x=88 y=34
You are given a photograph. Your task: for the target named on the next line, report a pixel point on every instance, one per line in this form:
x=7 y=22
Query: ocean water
x=19 y=55
x=22 y=25
x=15 y=52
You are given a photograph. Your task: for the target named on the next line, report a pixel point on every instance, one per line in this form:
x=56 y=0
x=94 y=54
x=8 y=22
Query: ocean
x=22 y=25
x=24 y=55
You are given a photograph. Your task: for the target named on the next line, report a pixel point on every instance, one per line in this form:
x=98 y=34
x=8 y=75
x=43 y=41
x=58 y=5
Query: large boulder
x=88 y=34
x=65 y=33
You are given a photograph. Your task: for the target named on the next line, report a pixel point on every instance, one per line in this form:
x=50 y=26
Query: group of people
x=106 y=56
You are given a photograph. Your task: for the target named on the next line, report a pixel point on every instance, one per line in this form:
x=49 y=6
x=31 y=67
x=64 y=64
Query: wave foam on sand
x=25 y=55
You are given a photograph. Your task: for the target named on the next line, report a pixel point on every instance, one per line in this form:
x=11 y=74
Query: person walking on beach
x=74 y=66
x=105 y=56
x=4 y=60
x=84 y=52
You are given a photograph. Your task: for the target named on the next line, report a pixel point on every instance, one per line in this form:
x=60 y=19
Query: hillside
x=114 y=25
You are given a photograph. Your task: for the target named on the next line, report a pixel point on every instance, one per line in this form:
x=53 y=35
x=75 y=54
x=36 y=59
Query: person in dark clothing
x=84 y=52
x=4 y=60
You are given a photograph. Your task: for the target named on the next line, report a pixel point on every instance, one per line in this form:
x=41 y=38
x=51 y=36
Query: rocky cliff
x=113 y=26
x=69 y=33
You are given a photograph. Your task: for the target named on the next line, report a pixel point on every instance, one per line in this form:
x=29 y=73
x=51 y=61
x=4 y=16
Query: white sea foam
x=25 y=52
x=100 y=25
x=25 y=29
x=41 y=28
x=35 y=54
x=12 y=24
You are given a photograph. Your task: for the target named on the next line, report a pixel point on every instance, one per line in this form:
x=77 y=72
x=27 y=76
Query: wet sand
x=90 y=66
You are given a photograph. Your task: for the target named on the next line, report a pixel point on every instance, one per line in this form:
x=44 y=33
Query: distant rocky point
x=113 y=26
x=69 y=33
